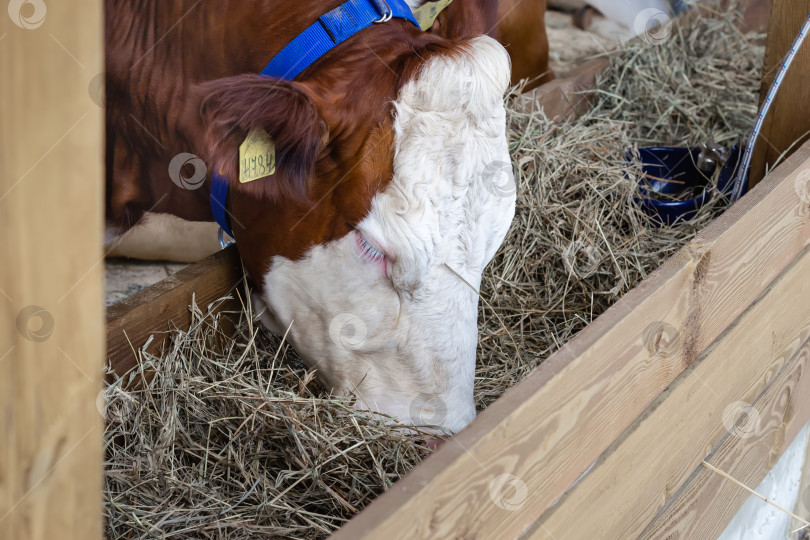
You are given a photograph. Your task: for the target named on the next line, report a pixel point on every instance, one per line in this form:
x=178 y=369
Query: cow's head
x=392 y=193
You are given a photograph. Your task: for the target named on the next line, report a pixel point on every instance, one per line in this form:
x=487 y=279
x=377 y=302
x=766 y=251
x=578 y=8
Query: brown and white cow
x=391 y=194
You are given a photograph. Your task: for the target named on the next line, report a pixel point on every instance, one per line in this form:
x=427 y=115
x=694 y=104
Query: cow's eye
x=368 y=250
x=371 y=253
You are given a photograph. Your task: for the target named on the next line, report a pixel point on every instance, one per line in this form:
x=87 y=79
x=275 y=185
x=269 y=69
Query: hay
x=238 y=442
x=579 y=241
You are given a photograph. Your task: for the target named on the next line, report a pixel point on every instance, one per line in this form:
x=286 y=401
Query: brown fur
x=354 y=100
x=466 y=18
x=230 y=107
x=522 y=30
x=194 y=91
x=181 y=77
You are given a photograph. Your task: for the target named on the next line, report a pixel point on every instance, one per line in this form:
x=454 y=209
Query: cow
x=389 y=192
x=518 y=25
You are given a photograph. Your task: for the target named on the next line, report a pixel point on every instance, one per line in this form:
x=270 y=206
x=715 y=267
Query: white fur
x=405 y=344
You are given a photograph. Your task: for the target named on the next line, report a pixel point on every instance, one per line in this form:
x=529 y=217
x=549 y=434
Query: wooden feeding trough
x=637 y=399
x=608 y=438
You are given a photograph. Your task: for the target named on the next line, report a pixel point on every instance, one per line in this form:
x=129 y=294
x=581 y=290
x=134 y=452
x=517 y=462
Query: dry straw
x=237 y=441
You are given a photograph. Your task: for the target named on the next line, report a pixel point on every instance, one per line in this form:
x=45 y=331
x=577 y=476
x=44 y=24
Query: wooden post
x=789 y=118
x=51 y=270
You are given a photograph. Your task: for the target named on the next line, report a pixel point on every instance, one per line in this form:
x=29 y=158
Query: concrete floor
x=125 y=277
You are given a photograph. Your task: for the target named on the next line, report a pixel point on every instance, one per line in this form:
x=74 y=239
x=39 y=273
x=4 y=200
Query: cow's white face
x=389 y=311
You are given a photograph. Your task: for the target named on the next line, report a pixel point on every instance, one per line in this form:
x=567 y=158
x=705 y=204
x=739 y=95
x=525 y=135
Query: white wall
x=758 y=520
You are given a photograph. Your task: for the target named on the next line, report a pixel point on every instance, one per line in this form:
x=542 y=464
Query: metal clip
x=388 y=13
x=710 y=157
x=222 y=242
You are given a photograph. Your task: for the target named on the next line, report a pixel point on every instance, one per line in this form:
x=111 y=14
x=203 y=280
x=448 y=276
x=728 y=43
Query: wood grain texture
x=548 y=429
x=642 y=469
x=706 y=503
x=165 y=305
x=789 y=118
x=51 y=275
x=565 y=99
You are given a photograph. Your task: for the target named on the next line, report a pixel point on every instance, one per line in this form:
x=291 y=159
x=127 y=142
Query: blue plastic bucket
x=673 y=172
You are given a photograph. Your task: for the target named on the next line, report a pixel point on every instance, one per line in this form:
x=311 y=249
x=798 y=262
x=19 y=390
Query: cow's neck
x=153 y=68
x=355 y=90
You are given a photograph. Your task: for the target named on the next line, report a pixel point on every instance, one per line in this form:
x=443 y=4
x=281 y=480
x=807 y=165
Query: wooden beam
x=788 y=121
x=548 y=429
x=165 y=306
x=568 y=98
x=51 y=276
x=706 y=503
x=656 y=455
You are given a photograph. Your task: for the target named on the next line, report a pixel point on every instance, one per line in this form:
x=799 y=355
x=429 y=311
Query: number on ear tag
x=257 y=156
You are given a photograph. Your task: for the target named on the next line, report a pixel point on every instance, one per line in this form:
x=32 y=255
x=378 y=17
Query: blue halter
x=330 y=30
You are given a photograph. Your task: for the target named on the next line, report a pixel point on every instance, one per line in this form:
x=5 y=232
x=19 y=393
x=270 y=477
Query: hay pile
x=241 y=444
x=579 y=241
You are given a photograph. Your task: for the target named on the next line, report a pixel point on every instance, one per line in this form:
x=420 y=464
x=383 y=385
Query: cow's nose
x=433 y=443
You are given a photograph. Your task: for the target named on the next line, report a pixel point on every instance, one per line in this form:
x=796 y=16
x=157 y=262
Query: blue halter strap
x=330 y=30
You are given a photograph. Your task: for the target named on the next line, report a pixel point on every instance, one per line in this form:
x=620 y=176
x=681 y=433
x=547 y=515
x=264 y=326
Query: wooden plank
x=789 y=118
x=51 y=276
x=706 y=503
x=165 y=305
x=550 y=427
x=639 y=473
x=704 y=506
x=565 y=99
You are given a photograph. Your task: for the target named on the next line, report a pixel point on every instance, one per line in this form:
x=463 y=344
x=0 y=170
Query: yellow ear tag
x=257 y=156
x=426 y=14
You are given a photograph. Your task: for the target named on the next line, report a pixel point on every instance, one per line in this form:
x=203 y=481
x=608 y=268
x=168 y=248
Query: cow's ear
x=231 y=108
